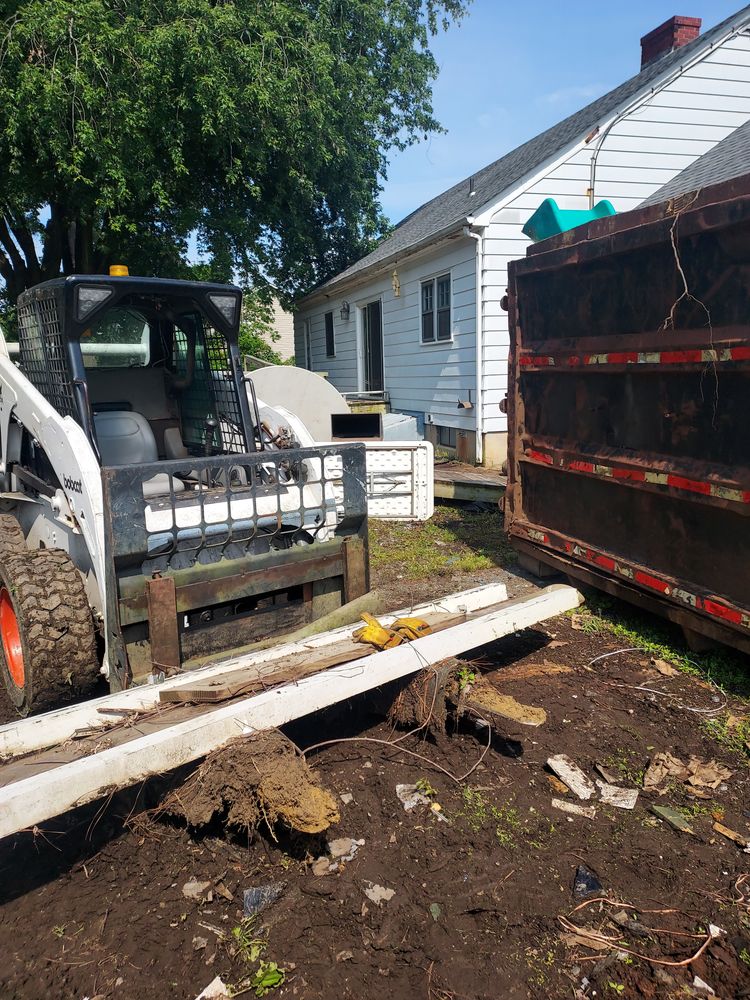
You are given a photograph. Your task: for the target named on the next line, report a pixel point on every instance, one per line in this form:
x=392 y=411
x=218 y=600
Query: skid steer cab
x=149 y=519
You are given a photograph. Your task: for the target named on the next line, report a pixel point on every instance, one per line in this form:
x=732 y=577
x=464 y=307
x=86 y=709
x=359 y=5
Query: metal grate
x=212 y=393
x=229 y=509
x=43 y=356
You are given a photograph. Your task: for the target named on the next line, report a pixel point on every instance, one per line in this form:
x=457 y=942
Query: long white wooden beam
x=52 y=728
x=30 y=801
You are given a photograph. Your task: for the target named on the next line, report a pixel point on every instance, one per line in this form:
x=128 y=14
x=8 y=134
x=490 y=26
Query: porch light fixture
x=345 y=310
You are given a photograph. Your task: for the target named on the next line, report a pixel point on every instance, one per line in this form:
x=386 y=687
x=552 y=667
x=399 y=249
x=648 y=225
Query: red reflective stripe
x=636 y=475
x=721 y=611
x=680 y=357
x=605 y=562
x=536 y=360
x=693 y=485
x=651 y=581
x=539 y=456
x=740 y=353
x=577 y=466
x=622 y=358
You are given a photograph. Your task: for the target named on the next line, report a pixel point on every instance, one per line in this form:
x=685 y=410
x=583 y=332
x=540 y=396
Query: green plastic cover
x=549 y=219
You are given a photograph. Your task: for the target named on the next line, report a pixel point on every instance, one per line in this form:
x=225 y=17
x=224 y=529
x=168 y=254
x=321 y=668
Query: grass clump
x=479 y=813
x=452 y=541
x=263 y=976
x=729 y=731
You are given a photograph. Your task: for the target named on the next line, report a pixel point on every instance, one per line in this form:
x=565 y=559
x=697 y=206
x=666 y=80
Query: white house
x=403 y=320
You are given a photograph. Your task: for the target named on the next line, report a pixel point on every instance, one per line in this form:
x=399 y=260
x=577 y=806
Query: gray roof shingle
x=728 y=158
x=447 y=211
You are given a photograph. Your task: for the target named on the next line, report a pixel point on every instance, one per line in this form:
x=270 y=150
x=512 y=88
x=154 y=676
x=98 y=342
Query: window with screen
x=436 y=309
x=330 y=343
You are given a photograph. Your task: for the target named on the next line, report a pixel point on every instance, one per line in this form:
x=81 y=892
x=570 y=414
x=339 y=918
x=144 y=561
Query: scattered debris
x=582 y=940
x=606 y=775
x=730 y=834
x=707 y=775
x=222 y=891
x=345 y=955
x=411 y=797
x=674 y=818
x=346 y=798
x=661 y=770
x=255 y=780
x=702 y=985
x=322 y=866
x=196 y=890
x=614 y=795
x=435 y=911
x=344 y=848
x=572 y=807
x=258 y=897
x=569 y=772
x=378 y=893
x=697 y=774
x=558 y=786
x=586 y=883
x=664 y=668
x=216 y=990
x=200 y=943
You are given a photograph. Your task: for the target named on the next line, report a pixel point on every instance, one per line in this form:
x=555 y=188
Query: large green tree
x=253 y=130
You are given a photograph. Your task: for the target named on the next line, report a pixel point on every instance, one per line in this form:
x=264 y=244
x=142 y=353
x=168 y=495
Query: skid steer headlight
x=89 y=298
x=227 y=306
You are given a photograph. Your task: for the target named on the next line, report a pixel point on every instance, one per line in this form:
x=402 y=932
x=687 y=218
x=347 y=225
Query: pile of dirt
x=255 y=780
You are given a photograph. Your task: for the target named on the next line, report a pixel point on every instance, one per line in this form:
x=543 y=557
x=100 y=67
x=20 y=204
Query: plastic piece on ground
x=586 y=883
x=258 y=897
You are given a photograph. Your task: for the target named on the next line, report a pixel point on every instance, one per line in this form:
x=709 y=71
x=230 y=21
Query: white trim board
x=30 y=801
x=39 y=731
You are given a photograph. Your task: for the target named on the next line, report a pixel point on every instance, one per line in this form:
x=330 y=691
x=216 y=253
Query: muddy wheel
x=11 y=536
x=47 y=639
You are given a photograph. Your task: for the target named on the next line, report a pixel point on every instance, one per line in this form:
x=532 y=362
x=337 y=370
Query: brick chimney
x=673 y=34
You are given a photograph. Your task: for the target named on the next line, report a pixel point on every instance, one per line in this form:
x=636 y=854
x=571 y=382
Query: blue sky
x=511 y=70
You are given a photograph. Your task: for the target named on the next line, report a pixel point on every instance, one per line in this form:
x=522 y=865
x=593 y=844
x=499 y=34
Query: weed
x=425 y=788
x=465 y=676
x=618 y=988
x=245 y=944
x=623 y=762
x=728 y=731
x=695 y=809
x=59 y=930
x=745 y=956
x=478 y=813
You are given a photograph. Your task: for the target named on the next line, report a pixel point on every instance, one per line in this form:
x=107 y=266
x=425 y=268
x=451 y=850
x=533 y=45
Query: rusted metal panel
x=629 y=458
x=163 y=629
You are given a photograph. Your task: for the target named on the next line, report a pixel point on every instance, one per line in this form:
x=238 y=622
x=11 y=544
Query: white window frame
x=333 y=333
x=433 y=280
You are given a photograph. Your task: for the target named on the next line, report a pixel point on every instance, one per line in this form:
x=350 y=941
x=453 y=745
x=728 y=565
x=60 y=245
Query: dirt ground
x=467 y=896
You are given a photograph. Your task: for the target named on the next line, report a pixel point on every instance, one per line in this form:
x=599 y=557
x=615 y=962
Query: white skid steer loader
x=148 y=518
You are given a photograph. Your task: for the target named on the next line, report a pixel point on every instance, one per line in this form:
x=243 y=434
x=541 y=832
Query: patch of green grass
x=745 y=956
x=424 y=786
x=723 y=666
x=452 y=541
x=729 y=731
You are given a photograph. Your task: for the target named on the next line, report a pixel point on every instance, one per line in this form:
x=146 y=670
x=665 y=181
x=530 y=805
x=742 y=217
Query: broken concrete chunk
x=674 y=818
x=572 y=807
x=613 y=795
x=195 y=890
x=378 y=893
x=344 y=848
x=569 y=772
x=411 y=797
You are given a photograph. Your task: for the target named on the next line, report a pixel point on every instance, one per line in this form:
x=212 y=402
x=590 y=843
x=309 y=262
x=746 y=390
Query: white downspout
x=479 y=404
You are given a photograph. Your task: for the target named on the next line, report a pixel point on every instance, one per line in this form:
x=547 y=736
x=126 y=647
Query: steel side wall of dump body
x=629 y=408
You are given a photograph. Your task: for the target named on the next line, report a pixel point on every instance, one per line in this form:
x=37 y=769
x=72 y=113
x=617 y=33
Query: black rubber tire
x=11 y=536
x=56 y=628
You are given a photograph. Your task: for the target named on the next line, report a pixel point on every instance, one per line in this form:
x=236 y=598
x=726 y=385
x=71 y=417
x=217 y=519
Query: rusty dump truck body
x=629 y=407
